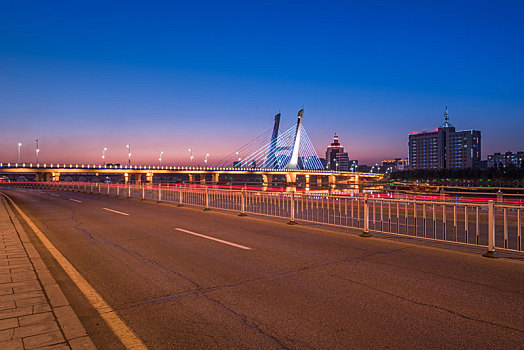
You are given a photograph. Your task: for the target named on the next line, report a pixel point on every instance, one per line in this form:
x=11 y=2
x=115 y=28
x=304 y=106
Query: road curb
x=72 y=329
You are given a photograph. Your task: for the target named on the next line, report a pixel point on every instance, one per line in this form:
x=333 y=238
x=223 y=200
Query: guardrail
x=490 y=225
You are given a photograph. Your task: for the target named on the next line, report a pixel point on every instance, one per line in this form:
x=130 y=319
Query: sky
x=210 y=75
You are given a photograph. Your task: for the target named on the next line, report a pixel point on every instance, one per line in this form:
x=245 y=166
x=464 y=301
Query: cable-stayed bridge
x=291 y=149
x=289 y=155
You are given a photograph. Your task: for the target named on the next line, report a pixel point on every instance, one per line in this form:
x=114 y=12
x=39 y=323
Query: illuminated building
x=506 y=159
x=336 y=158
x=444 y=148
x=395 y=164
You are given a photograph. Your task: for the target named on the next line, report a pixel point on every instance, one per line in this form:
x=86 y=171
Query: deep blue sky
x=80 y=76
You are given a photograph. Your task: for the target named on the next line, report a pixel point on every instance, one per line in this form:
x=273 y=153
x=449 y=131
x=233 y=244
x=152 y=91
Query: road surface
x=182 y=278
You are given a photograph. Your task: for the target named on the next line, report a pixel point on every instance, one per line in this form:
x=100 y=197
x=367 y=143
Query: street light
x=104 y=155
x=239 y=158
x=19 y=145
x=37 y=151
x=191 y=153
x=128 y=154
x=160 y=158
x=205 y=161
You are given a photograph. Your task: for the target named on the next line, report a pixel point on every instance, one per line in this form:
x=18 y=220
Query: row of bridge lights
x=128 y=156
x=145 y=167
x=148 y=167
x=104 y=154
x=159 y=157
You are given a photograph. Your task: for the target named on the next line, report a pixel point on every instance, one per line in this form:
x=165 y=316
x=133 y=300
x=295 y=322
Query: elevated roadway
x=137 y=174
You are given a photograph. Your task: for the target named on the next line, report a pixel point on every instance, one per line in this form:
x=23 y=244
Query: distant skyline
x=210 y=76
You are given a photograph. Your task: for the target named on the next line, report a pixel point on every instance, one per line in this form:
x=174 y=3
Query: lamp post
x=160 y=158
x=205 y=161
x=37 y=151
x=128 y=155
x=104 y=155
x=239 y=160
x=19 y=145
x=191 y=155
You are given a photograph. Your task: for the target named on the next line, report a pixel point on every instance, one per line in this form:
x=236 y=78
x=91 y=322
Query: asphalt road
x=183 y=278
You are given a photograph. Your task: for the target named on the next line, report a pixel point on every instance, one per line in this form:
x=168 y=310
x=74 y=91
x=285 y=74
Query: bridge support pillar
x=38 y=177
x=126 y=178
x=215 y=178
x=319 y=181
x=191 y=178
x=202 y=179
x=332 y=181
x=291 y=177
x=308 y=182
x=55 y=177
x=138 y=179
x=149 y=178
x=267 y=179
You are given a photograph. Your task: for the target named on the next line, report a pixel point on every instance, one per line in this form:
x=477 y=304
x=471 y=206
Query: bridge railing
x=490 y=225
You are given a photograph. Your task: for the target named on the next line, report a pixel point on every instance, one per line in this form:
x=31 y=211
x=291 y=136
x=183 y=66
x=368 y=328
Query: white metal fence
x=480 y=224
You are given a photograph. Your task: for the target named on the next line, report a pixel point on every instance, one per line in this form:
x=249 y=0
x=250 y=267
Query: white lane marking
x=116 y=211
x=75 y=200
x=52 y=194
x=214 y=239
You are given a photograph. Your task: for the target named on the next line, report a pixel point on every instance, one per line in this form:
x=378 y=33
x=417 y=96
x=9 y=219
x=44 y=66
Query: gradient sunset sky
x=168 y=76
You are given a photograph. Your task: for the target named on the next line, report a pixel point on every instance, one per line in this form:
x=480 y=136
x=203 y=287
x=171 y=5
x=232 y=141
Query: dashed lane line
x=119 y=328
x=75 y=200
x=214 y=239
x=116 y=211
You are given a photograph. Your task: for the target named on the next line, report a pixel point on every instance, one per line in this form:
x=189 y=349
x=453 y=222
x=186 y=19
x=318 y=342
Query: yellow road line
x=121 y=330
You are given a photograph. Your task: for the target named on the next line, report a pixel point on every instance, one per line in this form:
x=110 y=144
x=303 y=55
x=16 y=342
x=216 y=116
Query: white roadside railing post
x=129 y=190
x=207 y=200
x=159 y=193
x=243 y=203
x=365 y=232
x=180 y=195
x=491 y=231
x=292 y=210
x=143 y=192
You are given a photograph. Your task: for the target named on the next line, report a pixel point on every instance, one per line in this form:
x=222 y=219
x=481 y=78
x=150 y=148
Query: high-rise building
x=444 y=147
x=506 y=159
x=342 y=161
x=336 y=158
